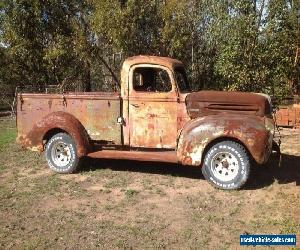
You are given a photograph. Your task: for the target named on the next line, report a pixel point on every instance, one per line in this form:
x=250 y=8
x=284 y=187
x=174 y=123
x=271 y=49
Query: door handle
x=135 y=105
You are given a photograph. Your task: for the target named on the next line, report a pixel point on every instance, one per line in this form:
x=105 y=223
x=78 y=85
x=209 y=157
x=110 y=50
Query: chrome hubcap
x=225 y=166
x=61 y=154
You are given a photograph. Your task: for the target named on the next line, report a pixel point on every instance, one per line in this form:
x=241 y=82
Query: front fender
x=61 y=121
x=199 y=133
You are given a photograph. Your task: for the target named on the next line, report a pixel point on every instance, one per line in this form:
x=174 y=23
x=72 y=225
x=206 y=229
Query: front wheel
x=226 y=165
x=61 y=154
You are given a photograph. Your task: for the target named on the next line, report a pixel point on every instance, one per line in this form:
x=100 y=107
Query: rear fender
x=200 y=133
x=56 y=121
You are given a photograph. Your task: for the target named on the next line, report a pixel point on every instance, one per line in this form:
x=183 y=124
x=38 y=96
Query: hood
x=214 y=102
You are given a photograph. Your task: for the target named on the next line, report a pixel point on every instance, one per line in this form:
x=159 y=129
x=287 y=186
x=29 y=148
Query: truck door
x=152 y=107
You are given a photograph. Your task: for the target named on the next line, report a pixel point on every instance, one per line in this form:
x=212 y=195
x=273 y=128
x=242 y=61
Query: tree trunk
x=87 y=87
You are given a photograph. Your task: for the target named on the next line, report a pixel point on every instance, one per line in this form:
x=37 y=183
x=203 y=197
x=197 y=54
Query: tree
x=256 y=42
x=231 y=45
x=48 y=41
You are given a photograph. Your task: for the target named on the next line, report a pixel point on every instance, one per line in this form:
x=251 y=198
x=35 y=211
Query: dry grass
x=127 y=204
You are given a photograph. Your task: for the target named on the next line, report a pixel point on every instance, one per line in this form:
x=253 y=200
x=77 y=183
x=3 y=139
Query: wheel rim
x=61 y=154
x=225 y=166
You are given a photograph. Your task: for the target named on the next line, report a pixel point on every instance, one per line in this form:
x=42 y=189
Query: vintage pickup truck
x=154 y=117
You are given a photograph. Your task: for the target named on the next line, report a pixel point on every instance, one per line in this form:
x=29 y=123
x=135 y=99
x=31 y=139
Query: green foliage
x=132 y=28
x=230 y=45
x=46 y=42
x=259 y=52
x=7 y=134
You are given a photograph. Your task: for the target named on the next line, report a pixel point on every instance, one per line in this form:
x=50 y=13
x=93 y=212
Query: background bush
x=228 y=45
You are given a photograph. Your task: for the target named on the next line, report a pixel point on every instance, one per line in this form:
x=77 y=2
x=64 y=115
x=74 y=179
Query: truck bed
x=97 y=112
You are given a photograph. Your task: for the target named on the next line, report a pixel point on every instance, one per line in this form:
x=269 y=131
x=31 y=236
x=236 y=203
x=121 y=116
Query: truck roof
x=164 y=61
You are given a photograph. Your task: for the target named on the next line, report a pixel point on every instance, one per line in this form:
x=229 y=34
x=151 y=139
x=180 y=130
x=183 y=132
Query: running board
x=162 y=156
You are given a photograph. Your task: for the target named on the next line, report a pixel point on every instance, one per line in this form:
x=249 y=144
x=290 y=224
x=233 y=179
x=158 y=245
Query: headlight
x=269 y=125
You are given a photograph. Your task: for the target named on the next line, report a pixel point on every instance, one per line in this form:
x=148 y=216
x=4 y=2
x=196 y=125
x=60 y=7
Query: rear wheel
x=226 y=165
x=61 y=154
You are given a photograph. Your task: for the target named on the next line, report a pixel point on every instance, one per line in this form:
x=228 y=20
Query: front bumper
x=270 y=127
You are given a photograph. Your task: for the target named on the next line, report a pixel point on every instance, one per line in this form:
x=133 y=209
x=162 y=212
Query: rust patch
x=50 y=104
x=165 y=156
x=149 y=120
x=152 y=121
x=150 y=126
x=198 y=133
x=56 y=120
x=217 y=102
x=163 y=61
x=97 y=112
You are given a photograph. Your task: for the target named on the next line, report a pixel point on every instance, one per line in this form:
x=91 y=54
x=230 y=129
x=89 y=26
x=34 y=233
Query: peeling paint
x=184 y=123
x=248 y=130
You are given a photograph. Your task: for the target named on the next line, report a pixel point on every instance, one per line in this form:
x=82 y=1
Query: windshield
x=181 y=80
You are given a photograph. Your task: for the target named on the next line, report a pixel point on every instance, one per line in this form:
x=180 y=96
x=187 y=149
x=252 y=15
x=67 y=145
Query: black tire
x=61 y=154
x=226 y=165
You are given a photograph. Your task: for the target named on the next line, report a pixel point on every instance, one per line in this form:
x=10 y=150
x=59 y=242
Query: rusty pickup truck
x=154 y=117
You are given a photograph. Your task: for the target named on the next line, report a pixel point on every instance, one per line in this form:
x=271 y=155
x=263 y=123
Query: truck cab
x=154 y=107
x=154 y=117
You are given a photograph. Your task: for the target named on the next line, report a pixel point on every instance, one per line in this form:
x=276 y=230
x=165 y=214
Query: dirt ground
x=125 y=204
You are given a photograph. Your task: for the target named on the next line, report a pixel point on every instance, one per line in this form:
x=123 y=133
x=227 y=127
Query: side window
x=147 y=79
